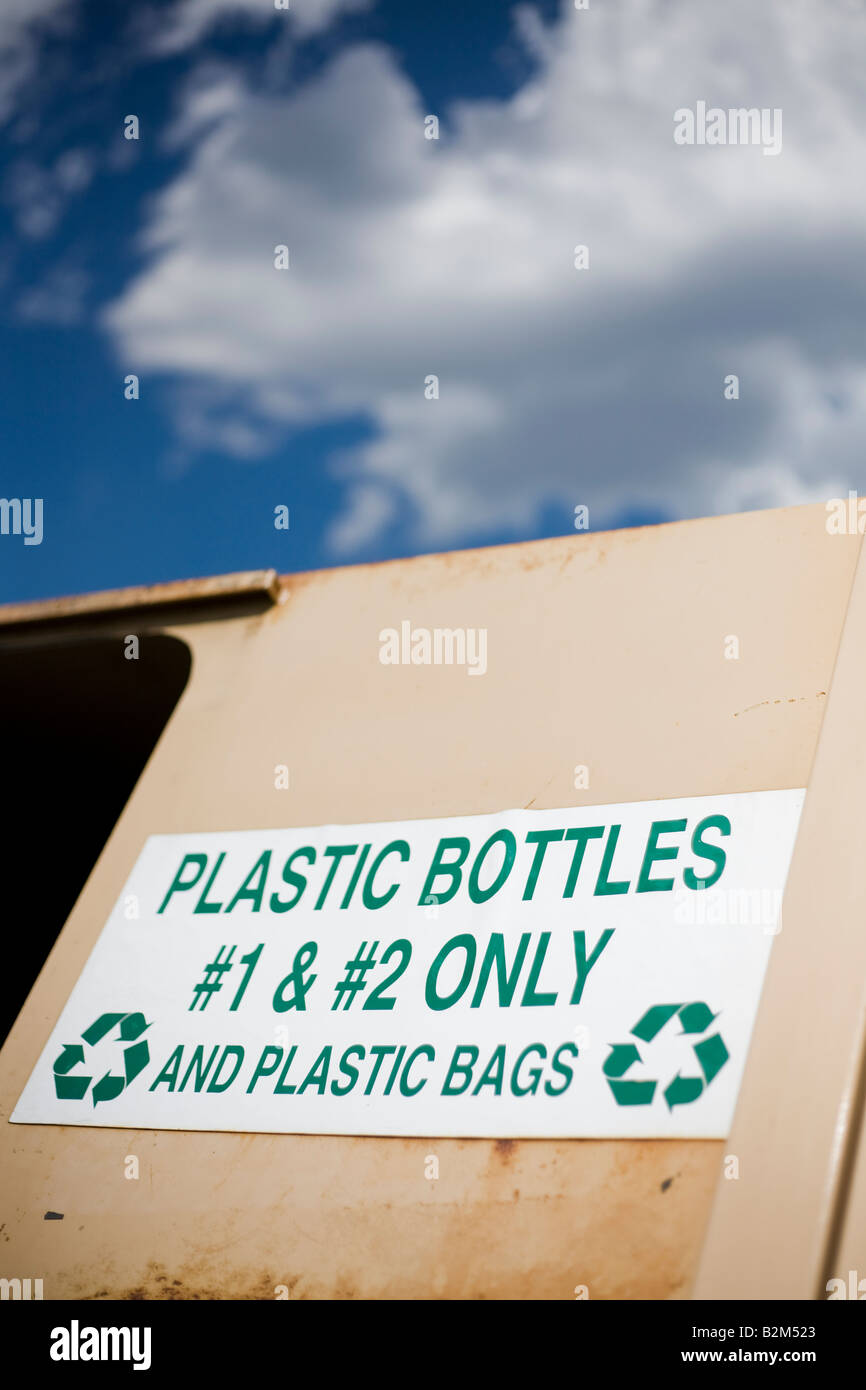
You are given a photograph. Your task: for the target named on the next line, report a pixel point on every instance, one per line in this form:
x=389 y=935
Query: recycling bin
x=647 y=679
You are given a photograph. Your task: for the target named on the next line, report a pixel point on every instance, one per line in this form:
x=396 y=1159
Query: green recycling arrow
x=136 y=1056
x=622 y=1056
x=711 y=1054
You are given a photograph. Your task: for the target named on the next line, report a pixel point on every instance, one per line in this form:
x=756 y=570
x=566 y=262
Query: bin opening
x=81 y=720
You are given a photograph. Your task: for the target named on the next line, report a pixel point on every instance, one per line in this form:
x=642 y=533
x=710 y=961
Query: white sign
x=589 y=972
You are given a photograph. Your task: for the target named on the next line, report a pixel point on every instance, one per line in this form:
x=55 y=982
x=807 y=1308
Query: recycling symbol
x=710 y=1052
x=72 y=1085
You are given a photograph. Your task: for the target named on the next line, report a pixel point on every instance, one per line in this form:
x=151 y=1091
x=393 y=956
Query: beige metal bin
x=610 y=653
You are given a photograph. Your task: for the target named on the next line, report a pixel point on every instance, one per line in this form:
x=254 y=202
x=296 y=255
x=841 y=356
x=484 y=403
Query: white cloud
x=369 y=511
x=212 y=92
x=39 y=196
x=212 y=416
x=411 y=257
x=21 y=22
x=191 y=20
x=73 y=170
x=59 y=299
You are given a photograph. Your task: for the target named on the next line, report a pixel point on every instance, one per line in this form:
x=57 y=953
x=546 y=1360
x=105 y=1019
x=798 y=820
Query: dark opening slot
x=80 y=721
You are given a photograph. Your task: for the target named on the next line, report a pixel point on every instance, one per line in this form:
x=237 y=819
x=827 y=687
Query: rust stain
x=507 y=1197
x=188 y=1284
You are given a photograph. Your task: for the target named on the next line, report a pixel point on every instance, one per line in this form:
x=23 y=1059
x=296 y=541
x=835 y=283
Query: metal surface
x=800 y=1108
x=220 y=588
x=605 y=650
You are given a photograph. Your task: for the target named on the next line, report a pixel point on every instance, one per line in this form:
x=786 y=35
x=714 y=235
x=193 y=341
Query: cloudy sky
x=411 y=258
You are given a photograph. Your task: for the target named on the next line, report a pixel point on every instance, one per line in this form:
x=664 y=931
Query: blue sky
x=411 y=257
